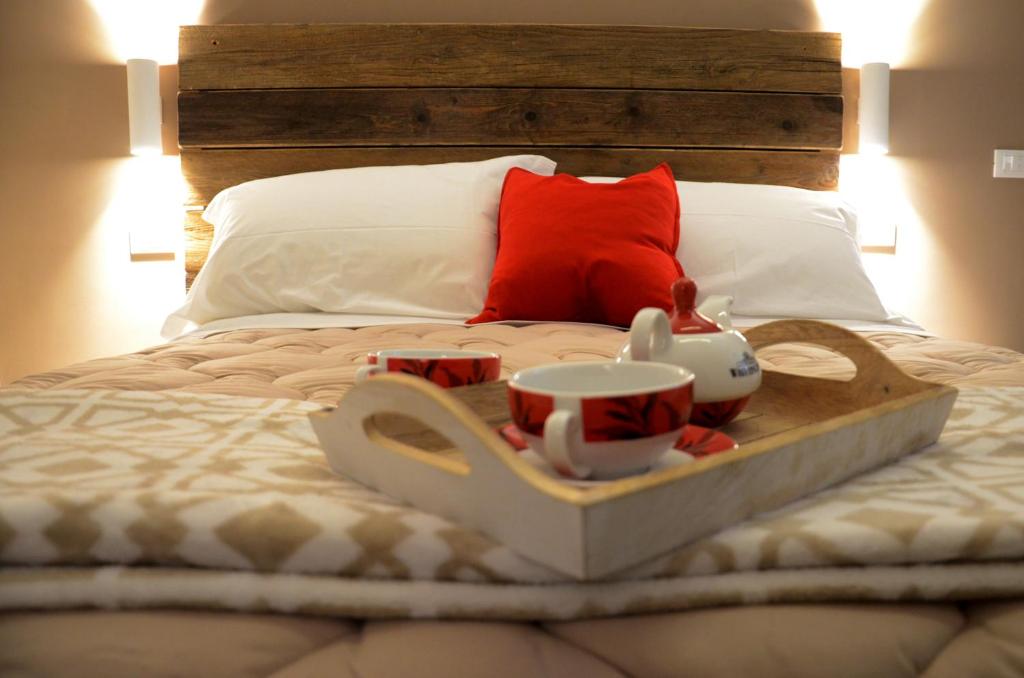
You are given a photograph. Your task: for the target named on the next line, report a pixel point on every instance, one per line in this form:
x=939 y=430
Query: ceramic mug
x=601 y=419
x=446 y=368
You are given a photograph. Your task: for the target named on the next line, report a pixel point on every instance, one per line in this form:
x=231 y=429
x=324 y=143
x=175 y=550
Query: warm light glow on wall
x=145 y=206
x=146 y=29
x=889 y=228
x=873 y=30
x=874 y=185
x=897 y=246
x=133 y=299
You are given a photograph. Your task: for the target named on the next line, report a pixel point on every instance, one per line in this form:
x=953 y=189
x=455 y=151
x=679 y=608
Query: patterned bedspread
x=182 y=478
x=132 y=487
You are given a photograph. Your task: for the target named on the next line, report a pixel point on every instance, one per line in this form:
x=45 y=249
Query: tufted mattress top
x=880 y=640
x=320 y=365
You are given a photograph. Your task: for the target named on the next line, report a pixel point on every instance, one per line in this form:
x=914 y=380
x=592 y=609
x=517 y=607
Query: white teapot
x=703 y=341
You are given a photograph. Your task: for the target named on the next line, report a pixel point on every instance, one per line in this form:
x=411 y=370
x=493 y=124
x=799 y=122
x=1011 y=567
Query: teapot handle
x=650 y=335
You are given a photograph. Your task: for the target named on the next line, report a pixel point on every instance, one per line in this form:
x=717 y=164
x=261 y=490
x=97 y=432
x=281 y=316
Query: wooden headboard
x=717 y=105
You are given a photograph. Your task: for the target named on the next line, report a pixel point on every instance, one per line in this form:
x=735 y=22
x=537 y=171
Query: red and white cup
x=601 y=420
x=446 y=368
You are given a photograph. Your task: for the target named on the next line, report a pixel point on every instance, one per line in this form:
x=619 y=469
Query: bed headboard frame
x=717 y=105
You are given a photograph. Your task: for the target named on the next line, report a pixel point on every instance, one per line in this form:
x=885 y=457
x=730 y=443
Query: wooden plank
x=582 y=117
x=207 y=172
x=198 y=236
x=506 y=55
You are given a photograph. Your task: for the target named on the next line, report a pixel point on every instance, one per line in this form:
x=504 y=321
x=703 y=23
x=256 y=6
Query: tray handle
x=877 y=376
x=351 y=437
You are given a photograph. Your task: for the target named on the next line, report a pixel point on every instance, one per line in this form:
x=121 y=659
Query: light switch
x=1008 y=164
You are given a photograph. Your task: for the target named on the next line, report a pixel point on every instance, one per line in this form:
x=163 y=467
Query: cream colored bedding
x=974 y=498
x=319 y=365
x=123 y=480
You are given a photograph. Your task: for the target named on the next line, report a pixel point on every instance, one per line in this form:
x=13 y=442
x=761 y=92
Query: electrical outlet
x=1008 y=164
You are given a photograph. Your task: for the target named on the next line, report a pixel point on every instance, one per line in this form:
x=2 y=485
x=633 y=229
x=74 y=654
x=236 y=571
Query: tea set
x=595 y=421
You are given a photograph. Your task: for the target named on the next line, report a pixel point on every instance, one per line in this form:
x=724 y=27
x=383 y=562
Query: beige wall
x=960 y=97
x=69 y=292
x=67 y=288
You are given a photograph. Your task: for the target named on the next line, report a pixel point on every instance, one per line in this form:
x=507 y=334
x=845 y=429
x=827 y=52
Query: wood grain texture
x=207 y=172
x=876 y=381
x=507 y=55
x=198 y=237
x=537 y=117
x=717 y=105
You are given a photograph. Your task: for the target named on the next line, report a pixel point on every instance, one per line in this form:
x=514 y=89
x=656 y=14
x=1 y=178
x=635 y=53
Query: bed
x=175 y=518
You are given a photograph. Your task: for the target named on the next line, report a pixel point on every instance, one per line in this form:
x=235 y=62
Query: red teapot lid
x=684 y=318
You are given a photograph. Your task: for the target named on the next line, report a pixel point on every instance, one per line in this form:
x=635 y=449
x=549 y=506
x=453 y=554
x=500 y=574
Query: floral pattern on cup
x=609 y=418
x=696 y=441
x=449 y=372
x=718 y=413
x=530 y=410
x=639 y=416
x=445 y=371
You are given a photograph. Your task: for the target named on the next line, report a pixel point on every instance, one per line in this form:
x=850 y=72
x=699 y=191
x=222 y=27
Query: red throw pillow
x=570 y=250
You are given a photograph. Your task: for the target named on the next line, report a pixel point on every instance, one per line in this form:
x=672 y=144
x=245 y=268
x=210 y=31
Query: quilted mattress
x=972 y=638
x=320 y=365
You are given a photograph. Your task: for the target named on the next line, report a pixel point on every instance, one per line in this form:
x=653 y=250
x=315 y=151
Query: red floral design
x=530 y=410
x=718 y=413
x=696 y=441
x=621 y=418
x=448 y=372
x=639 y=416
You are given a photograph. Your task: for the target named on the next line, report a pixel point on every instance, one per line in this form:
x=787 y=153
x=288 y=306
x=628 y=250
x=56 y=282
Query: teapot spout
x=716 y=308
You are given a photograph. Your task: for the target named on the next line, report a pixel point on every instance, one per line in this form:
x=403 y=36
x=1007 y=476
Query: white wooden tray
x=438 y=450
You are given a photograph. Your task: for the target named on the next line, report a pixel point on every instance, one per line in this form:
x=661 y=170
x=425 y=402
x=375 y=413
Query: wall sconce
x=873 y=111
x=144 y=114
x=148 y=187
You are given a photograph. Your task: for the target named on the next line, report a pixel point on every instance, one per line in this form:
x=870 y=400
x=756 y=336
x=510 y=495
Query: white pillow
x=778 y=251
x=413 y=240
